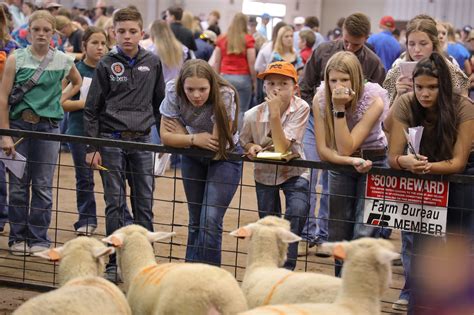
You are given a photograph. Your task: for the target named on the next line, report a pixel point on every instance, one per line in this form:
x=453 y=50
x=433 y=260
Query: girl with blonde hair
x=283 y=49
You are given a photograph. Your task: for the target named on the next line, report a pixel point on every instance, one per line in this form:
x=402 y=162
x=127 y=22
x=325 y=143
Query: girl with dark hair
x=201 y=110
x=448 y=121
x=94 y=47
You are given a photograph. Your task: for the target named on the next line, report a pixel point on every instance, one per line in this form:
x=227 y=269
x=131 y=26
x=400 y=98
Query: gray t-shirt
x=196 y=119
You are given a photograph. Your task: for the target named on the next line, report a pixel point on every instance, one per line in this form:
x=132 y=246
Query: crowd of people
x=186 y=83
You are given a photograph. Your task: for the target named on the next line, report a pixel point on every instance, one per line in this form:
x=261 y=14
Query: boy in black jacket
x=123 y=103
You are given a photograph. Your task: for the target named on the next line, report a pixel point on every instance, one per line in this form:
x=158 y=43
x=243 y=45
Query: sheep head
x=82 y=243
x=367 y=255
x=267 y=233
x=118 y=237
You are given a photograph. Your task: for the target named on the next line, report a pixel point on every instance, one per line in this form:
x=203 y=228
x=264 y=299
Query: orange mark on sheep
x=154 y=274
x=275 y=286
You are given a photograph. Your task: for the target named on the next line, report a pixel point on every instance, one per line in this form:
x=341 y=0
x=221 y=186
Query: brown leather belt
x=369 y=153
x=29 y=116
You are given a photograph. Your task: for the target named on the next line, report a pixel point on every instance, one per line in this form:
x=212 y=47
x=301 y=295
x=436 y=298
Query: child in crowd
x=348 y=113
x=279 y=122
x=201 y=110
x=305 y=44
x=94 y=43
x=446 y=148
x=123 y=104
x=39 y=110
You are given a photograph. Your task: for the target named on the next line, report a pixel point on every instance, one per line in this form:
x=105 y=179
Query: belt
x=127 y=134
x=29 y=116
x=369 y=153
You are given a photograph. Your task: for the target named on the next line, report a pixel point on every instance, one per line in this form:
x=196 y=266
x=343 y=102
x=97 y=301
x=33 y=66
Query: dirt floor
x=170 y=214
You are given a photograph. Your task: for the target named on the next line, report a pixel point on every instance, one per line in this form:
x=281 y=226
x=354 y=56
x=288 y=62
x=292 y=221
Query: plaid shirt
x=256 y=129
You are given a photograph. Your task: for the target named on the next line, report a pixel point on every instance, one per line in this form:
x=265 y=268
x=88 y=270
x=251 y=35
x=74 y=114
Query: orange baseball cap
x=282 y=68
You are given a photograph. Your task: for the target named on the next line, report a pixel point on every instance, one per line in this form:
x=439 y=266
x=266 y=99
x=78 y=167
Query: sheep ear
x=102 y=251
x=287 y=236
x=243 y=232
x=338 y=249
x=52 y=254
x=385 y=256
x=116 y=239
x=157 y=236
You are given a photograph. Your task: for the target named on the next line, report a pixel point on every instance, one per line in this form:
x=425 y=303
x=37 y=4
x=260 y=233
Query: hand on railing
x=361 y=165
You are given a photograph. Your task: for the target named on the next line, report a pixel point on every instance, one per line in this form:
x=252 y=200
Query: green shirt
x=44 y=98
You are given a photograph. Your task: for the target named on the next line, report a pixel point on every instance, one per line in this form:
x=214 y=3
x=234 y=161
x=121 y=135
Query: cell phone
x=407 y=67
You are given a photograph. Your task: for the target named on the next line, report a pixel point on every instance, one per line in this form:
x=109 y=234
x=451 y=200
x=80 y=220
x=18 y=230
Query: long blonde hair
x=278 y=46
x=168 y=48
x=345 y=62
x=236 y=34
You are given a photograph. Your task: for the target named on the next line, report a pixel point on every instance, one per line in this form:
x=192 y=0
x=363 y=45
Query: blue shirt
x=458 y=52
x=386 y=47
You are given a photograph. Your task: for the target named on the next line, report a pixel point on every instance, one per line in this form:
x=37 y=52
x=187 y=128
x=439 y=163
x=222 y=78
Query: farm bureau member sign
x=409 y=204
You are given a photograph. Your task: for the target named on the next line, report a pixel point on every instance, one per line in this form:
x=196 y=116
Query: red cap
x=387 y=21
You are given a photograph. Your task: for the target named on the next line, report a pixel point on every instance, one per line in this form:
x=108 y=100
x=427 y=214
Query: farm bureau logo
x=378 y=219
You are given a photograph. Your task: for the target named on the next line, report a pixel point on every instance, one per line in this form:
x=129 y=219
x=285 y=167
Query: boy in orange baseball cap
x=279 y=123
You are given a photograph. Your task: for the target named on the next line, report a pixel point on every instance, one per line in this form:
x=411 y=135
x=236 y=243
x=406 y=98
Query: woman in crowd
x=235 y=59
x=446 y=144
x=422 y=40
x=39 y=110
x=201 y=110
x=283 y=49
x=94 y=44
x=348 y=115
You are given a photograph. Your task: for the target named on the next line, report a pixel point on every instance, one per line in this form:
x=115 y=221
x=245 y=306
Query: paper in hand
x=413 y=137
x=15 y=165
x=86 y=84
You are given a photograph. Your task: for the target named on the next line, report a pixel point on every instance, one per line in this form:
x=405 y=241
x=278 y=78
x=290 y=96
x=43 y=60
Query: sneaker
x=400 y=305
x=303 y=249
x=38 y=248
x=112 y=274
x=20 y=249
x=322 y=252
x=86 y=230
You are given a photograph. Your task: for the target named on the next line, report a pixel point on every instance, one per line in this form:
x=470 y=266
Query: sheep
x=171 y=288
x=265 y=283
x=82 y=289
x=366 y=275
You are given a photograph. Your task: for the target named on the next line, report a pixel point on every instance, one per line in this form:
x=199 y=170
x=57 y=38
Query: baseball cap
x=53 y=5
x=266 y=16
x=282 y=68
x=467 y=28
x=210 y=35
x=387 y=21
x=298 y=20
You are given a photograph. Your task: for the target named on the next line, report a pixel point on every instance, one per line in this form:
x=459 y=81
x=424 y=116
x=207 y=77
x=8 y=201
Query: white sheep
x=265 y=282
x=366 y=275
x=171 y=288
x=82 y=289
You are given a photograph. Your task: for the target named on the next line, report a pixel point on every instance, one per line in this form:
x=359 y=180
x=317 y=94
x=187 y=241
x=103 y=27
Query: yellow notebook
x=269 y=155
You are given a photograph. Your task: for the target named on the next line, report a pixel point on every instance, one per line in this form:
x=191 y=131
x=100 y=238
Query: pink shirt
x=256 y=129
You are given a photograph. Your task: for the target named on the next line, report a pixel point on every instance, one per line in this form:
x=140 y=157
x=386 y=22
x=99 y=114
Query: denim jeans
x=346 y=207
x=3 y=196
x=85 y=199
x=315 y=229
x=209 y=186
x=243 y=85
x=296 y=190
x=29 y=221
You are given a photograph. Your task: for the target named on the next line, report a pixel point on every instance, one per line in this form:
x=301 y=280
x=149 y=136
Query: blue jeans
x=209 y=186
x=243 y=85
x=315 y=229
x=85 y=199
x=3 y=196
x=137 y=168
x=346 y=207
x=29 y=221
x=296 y=190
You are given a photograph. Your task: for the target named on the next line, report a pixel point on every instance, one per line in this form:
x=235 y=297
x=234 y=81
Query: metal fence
x=170 y=214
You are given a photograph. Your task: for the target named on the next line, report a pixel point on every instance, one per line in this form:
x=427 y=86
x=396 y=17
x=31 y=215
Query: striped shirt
x=256 y=129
